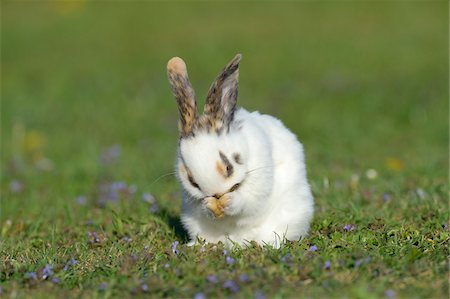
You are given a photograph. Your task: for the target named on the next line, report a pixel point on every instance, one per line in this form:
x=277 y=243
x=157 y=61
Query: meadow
x=89 y=203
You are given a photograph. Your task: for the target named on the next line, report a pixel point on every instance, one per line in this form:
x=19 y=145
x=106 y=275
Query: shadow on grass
x=174 y=222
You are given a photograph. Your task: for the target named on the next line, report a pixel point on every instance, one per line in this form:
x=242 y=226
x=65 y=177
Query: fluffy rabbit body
x=242 y=174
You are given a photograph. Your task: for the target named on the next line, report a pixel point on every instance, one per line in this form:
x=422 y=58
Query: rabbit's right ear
x=221 y=100
x=184 y=94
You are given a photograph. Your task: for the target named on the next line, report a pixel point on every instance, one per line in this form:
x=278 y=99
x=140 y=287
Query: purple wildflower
x=110 y=155
x=147 y=197
x=127 y=239
x=15 y=186
x=212 y=278
x=71 y=262
x=386 y=196
x=174 y=247
x=81 y=200
x=244 y=278
x=357 y=263
x=231 y=285
x=199 y=296
x=312 y=248
x=229 y=260
x=112 y=192
x=144 y=287
x=225 y=252
x=154 y=208
x=31 y=275
x=349 y=227
x=367 y=260
x=327 y=265
x=103 y=286
x=389 y=293
x=259 y=295
x=286 y=259
x=94 y=238
x=47 y=271
x=56 y=280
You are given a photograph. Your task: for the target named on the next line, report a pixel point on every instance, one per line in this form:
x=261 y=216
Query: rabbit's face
x=211 y=165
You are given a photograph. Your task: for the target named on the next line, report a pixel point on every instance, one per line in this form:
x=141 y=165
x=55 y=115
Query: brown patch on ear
x=184 y=94
x=222 y=97
x=221 y=168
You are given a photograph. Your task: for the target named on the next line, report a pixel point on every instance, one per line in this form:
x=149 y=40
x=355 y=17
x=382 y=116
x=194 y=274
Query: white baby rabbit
x=242 y=174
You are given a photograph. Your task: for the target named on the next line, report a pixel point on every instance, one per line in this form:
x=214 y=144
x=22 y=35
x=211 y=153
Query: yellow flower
x=394 y=164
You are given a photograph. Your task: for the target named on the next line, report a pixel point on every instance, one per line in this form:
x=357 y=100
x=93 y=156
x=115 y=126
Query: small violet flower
x=71 y=262
x=212 y=278
x=31 y=275
x=229 y=260
x=81 y=200
x=174 y=247
x=327 y=265
x=389 y=293
x=287 y=258
x=199 y=296
x=111 y=154
x=312 y=248
x=259 y=295
x=15 y=186
x=103 y=286
x=231 y=285
x=147 y=197
x=56 y=280
x=144 y=287
x=244 y=278
x=47 y=271
x=349 y=227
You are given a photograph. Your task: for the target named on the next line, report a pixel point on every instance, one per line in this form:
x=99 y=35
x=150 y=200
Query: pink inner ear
x=177 y=65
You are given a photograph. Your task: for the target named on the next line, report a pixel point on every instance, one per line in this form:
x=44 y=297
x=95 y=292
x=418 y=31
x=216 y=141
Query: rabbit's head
x=212 y=152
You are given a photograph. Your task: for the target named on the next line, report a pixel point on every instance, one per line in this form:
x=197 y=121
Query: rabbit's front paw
x=214 y=206
x=227 y=204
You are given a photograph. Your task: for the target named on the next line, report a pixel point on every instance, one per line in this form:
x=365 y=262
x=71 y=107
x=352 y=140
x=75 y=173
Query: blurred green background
x=364 y=85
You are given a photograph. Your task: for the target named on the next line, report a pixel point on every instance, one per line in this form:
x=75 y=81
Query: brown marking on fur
x=221 y=168
x=228 y=165
x=237 y=158
x=191 y=179
x=184 y=94
x=182 y=169
x=219 y=107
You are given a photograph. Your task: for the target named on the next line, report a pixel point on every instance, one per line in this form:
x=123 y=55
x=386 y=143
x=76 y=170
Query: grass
x=88 y=127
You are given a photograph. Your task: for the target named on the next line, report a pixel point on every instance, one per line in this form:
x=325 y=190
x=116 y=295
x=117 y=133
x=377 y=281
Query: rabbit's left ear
x=184 y=94
x=221 y=100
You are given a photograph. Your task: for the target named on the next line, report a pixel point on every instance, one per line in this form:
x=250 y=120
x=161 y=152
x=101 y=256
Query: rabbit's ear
x=184 y=94
x=221 y=100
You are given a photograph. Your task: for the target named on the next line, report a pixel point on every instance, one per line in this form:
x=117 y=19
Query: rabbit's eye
x=235 y=187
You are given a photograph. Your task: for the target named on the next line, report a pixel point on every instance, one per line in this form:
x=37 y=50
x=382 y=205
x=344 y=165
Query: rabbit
x=242 y=174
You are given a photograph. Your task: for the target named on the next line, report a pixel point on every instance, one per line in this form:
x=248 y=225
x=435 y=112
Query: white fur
x=273 y=203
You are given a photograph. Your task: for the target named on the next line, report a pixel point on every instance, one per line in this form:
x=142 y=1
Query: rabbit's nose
x=217 y=196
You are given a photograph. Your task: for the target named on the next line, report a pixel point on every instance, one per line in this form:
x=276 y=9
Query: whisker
x=161 y=177
x=258 y=168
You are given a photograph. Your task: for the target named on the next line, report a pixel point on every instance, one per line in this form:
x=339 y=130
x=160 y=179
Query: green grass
x=363 y=85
